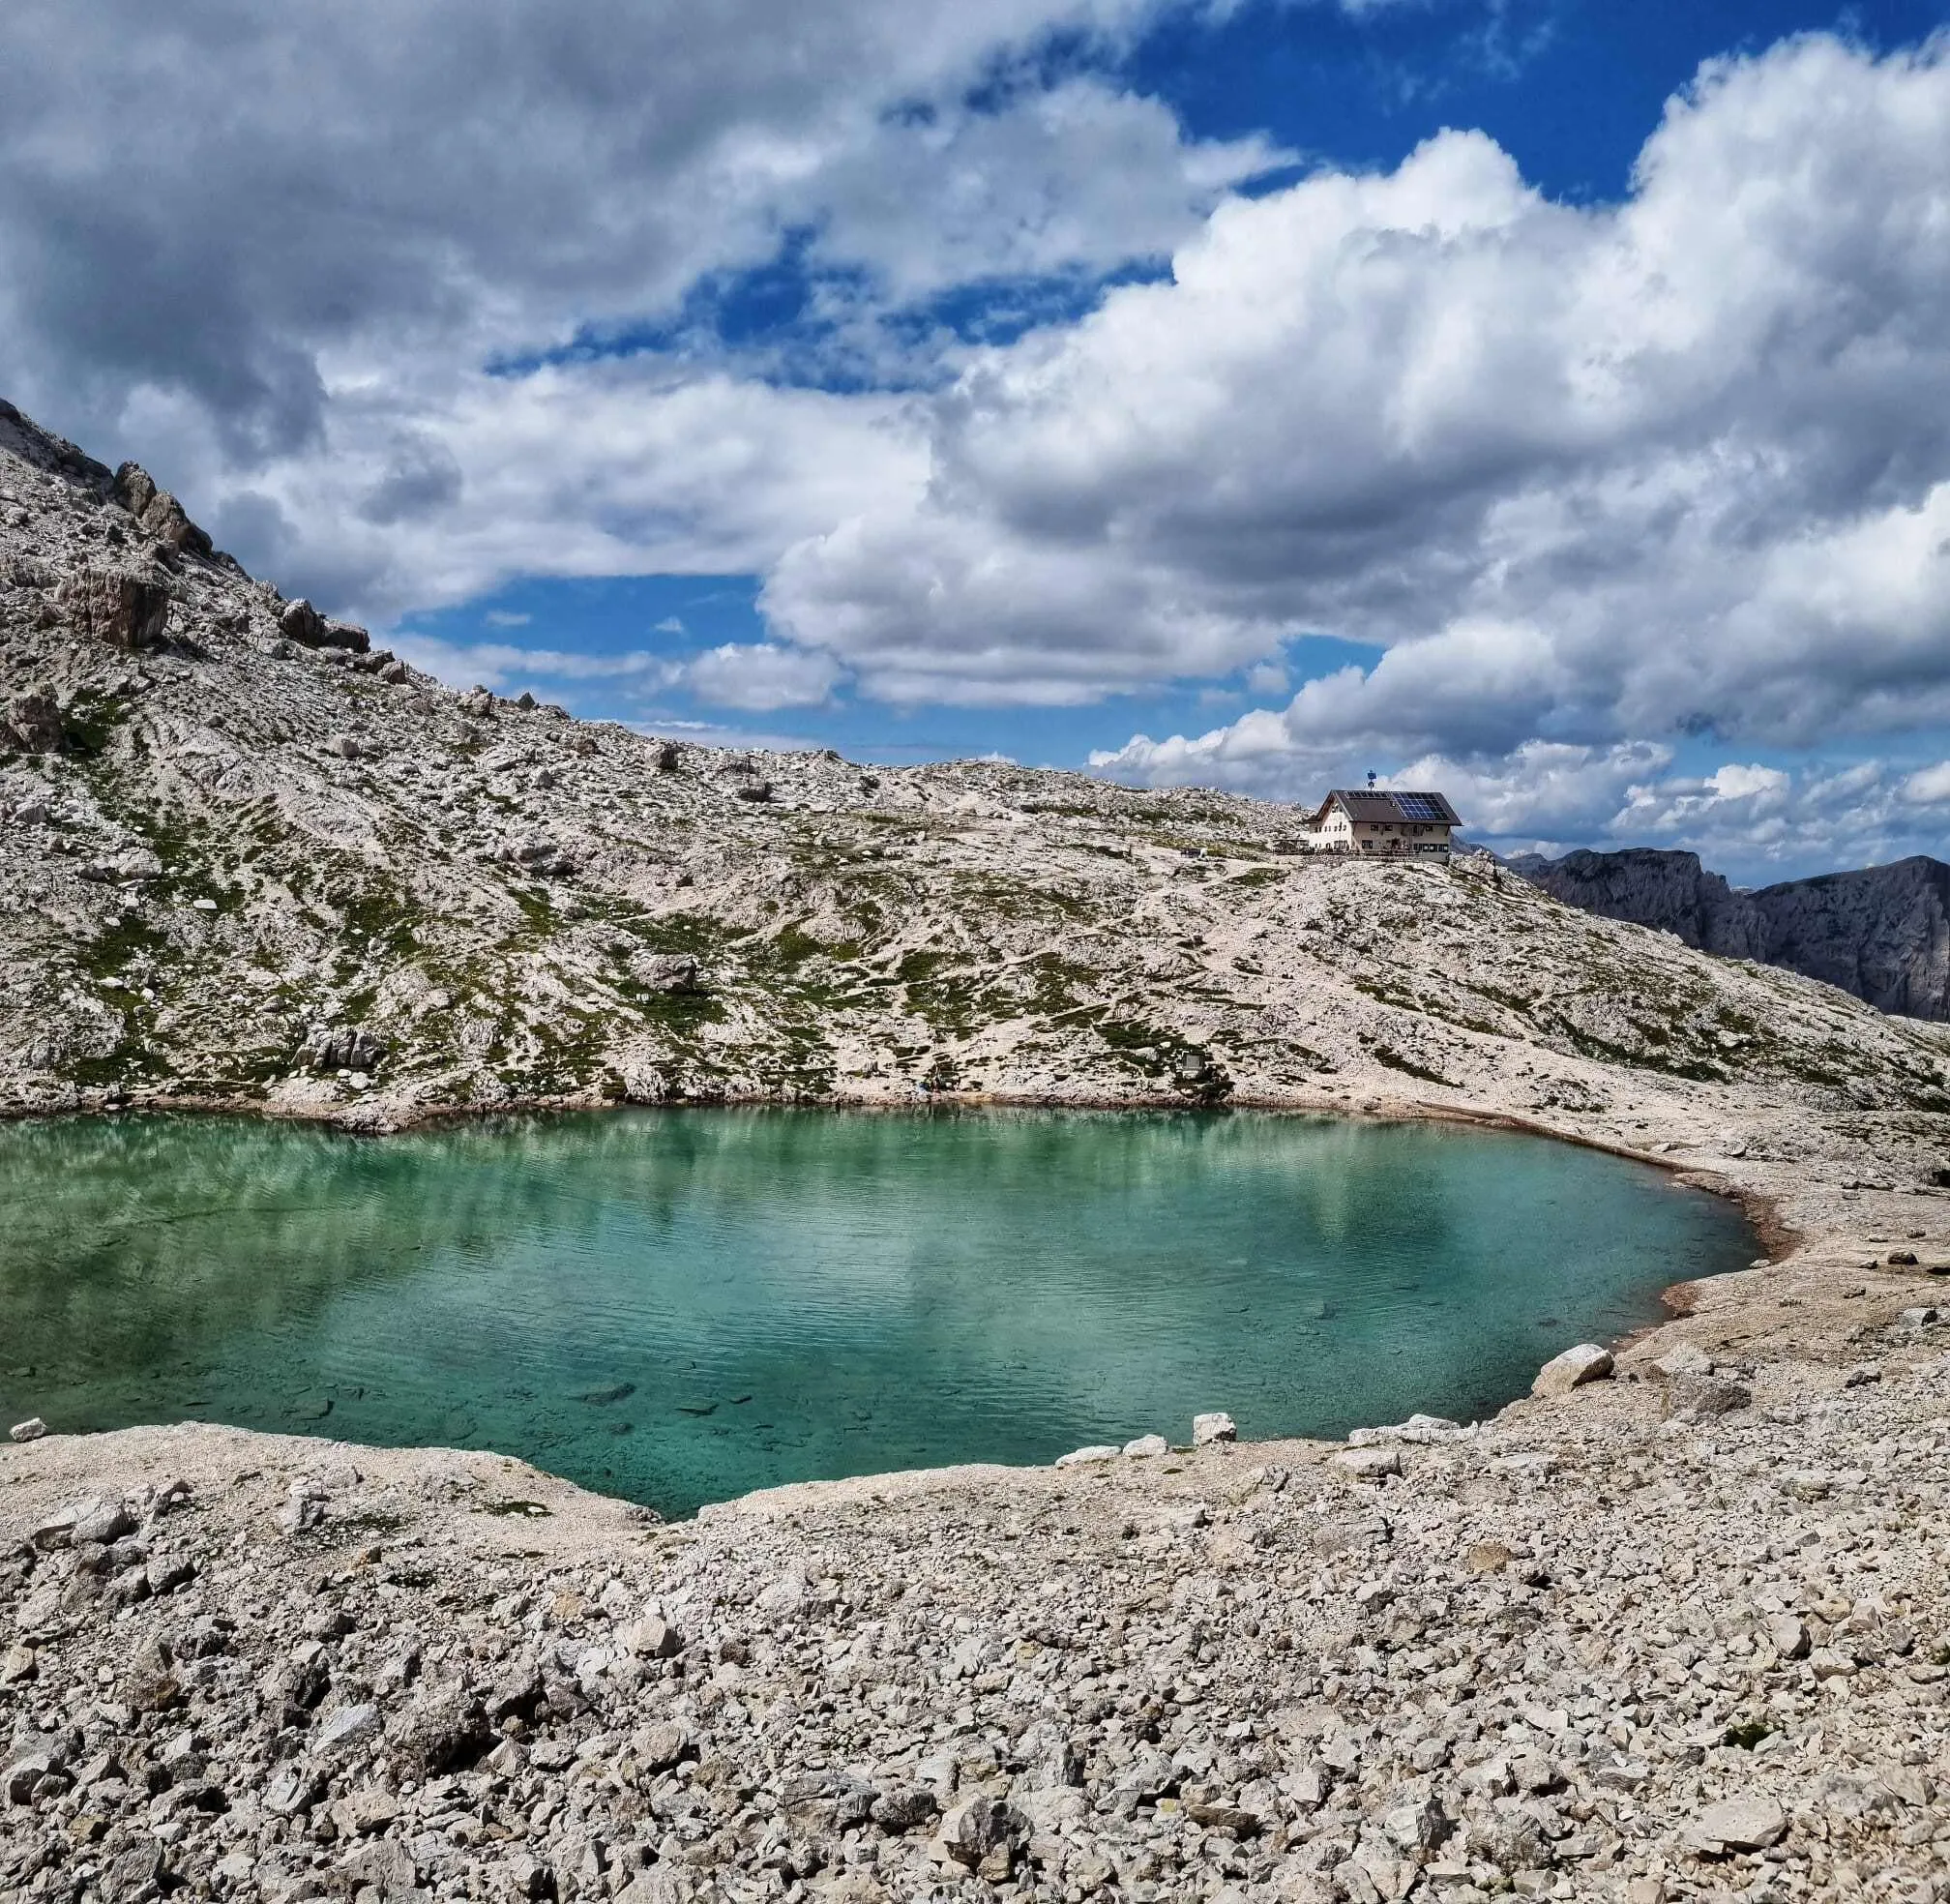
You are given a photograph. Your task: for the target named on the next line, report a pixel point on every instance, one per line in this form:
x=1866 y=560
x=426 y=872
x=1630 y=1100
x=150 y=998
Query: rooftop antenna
x=1370 y=779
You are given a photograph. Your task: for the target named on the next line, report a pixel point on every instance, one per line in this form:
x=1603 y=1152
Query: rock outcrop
x=1883 y=934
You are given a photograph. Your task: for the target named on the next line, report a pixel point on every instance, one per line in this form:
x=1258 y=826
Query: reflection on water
x=681 y=1305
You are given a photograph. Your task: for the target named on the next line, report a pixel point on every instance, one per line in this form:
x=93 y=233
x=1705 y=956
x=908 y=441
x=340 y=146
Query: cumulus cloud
x=583 y=469
x=1589 y=473
x=247 y=208
x=758 y=677
x=1929 y=786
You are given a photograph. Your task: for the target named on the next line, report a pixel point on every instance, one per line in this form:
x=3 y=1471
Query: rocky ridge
x=1882 y=933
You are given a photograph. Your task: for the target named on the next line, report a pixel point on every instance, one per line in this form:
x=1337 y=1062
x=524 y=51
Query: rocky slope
x=248 y=860
x=1680 y=1633
x=1883 y=934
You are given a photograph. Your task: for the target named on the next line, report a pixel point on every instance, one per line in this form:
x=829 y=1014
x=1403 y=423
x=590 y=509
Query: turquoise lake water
x=682 y=1305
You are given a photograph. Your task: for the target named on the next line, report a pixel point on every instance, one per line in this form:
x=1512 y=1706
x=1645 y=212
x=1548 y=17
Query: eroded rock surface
x=1882 y=933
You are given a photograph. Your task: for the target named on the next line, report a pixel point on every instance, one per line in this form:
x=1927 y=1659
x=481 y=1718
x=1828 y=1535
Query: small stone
x=347 y=1727
x=900 y=1811
x=1216 y=1426
x=19 y=1663
x=1487 y=1556
x=662 y=1745
x=1146 y=1447
x=978 y=1834
x=1572 y=1369
x=1747 y=1824
x=652 y=1638
x=30 y=1430
x=1788 y=1636
x=98 y=1523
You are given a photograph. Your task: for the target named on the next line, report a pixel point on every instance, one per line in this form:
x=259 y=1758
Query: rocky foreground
x=1683 y=1632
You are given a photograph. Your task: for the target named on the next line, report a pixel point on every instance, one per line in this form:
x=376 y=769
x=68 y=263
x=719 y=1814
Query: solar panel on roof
x=1418 y=806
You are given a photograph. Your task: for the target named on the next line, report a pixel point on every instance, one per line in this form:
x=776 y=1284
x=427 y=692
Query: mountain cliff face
x=248 y=858
x=1883 y=934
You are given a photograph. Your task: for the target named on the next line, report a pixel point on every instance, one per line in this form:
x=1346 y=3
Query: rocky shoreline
x=1678 y=1632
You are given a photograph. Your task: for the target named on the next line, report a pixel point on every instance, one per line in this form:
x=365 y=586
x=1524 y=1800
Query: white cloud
x=383 y=182
x=1678 y=464
x=506 y=618
x=671 y=625
x=497 y=664
x=581 y=469
x=758 y=677
x=1929 y=786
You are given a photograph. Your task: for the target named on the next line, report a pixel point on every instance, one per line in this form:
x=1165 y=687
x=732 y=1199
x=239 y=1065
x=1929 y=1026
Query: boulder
x=1368 y=1464
x=666 y=972
x=346 y=635
x=1684 y=1358
x=30 y=1430
x=652 y=1638
x=1147 y=1445
x=347 y=1729
x=980 y=1836
x=1699 y=1397
x=1085 y=1457
x=165 y=519
x=126 y=608
x=1745 y=1823
x=97 y=1523
x=1216 y=1426
x=442 y=1730
x=299 y=622
x=135 y=488
x=1572 y=1369
x=32 y=724
x=341 y=1048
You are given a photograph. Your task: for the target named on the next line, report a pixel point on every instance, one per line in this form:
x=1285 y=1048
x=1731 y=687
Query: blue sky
x=1534 y=396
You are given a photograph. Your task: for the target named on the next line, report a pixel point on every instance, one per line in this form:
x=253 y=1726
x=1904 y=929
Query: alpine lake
x=679 y=1306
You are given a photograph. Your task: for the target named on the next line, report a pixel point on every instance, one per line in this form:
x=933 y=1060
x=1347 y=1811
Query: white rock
x=348 y=1726
x=30 y=1430
x=1749 y=1824
x=1572 y=1369
x=1146 y=1445
x=1082 y=1457
x=1218 y=1426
